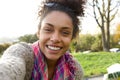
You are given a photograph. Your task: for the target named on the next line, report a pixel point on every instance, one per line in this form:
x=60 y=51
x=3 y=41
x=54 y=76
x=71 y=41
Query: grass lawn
x=96 y=63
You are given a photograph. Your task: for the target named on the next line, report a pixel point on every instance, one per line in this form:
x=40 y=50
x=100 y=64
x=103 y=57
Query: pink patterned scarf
x=65 y=70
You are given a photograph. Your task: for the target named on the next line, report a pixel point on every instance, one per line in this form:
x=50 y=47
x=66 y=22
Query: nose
x=55 y=37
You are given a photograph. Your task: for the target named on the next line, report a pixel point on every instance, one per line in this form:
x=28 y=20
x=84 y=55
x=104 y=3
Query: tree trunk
x=108 y=35
x=108 y=25
x=104 y=41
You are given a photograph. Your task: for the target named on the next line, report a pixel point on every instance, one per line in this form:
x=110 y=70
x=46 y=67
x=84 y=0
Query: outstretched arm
x=16 y=62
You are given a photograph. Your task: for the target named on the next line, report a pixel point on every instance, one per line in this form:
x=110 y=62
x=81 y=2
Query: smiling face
x=55 y=34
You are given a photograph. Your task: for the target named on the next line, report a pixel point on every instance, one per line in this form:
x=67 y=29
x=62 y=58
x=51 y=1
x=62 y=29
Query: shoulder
x=21 y=50
x=79 y=71
x=18 y=48
x=18 y=60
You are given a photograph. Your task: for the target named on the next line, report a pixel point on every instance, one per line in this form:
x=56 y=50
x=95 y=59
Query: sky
x=18 y=17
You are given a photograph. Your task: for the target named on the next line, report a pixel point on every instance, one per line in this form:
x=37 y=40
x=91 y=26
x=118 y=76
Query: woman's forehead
x=57 y=18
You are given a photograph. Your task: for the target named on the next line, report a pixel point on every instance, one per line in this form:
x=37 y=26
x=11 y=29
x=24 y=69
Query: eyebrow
x=50 y=24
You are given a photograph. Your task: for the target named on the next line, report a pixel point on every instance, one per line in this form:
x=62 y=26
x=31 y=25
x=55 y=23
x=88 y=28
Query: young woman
x=57 y=28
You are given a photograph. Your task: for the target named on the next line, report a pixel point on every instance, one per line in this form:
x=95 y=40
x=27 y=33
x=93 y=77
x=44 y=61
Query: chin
x=53 y=58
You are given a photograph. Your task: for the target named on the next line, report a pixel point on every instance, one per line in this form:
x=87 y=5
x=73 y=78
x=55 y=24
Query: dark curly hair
x=74 y=8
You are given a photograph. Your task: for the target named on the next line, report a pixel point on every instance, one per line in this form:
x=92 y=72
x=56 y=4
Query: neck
x=51 y=68
x=51 y=63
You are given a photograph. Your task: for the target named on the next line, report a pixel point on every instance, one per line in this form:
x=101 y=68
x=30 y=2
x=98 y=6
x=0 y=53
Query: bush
x=29 y=38
x=90 y=42
x=97 y=45
x=86 y=41
x=4 y=47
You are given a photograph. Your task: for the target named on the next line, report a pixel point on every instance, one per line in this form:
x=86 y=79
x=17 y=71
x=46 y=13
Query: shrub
x=97 y=45
x=29 y=38
x=86 y=41
x=4 y=47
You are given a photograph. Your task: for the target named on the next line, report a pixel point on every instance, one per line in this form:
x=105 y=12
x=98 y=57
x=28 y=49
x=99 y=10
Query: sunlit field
x=96 y=63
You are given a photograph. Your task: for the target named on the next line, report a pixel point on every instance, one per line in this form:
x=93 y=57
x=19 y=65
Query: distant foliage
x=29 y=38
x=116 y=37
x=113 y=43
x=73 y=46
x=97 y=44
x=86 y=41
x=4 y=47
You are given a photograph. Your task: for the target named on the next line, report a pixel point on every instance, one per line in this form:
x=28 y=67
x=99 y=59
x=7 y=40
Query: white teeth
x=54 y=48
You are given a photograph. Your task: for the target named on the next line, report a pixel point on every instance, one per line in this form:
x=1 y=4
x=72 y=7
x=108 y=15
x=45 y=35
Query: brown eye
x=48 y=29
x=66 y=33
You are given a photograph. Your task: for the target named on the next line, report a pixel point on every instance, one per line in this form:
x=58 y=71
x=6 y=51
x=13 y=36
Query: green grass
x=96 y=63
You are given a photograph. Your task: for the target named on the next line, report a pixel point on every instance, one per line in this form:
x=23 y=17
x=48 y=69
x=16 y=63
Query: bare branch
x=113 y=16
x=90 y=4
x=100 y=12
x=113 y=8
x=95 y=15
x=104 y=11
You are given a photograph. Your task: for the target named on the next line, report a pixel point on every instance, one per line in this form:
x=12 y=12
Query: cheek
x=67 y=42
x=41 y=38
x=40 y=35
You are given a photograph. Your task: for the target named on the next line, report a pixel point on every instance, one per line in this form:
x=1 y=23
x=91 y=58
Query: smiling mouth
x=55 y=48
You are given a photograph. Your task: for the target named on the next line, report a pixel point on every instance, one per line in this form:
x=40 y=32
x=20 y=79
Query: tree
x=104 y=11
x=29 y=38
